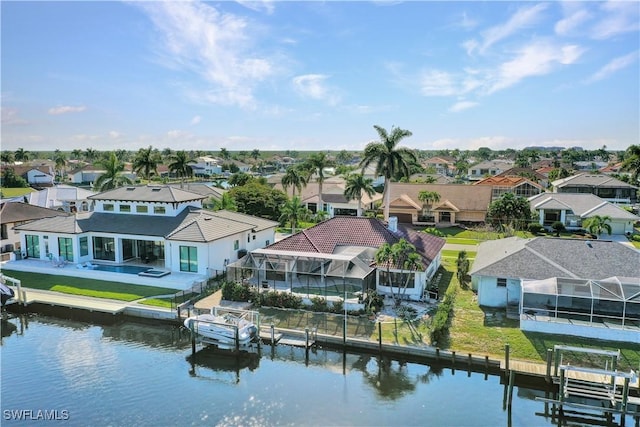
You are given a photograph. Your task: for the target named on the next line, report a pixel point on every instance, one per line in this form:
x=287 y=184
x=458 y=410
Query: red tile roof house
x=339 y=254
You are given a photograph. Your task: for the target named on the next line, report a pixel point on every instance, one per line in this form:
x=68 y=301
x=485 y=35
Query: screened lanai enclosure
x=608 y=305
x=348 y=272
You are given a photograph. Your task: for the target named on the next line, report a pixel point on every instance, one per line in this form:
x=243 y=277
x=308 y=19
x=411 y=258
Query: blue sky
x=318 y=75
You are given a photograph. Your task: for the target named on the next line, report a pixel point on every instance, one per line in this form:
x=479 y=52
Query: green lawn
x=15 y=192
x=446 y=253
x=85 y=287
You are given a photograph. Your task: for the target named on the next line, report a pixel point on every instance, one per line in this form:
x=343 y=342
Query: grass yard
x=447 y=253
x=15 y=192
x=91 y=288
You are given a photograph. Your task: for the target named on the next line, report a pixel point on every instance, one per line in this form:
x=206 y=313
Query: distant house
x=442 y=165
x=488 y=168
x=206 y=166
x=528 y=173
x=65 y=198
x=333 y=198
x=569 y=286
x=573 y=209
x=589 y=166
x=517 y=185
x=13 y=214
x=36 y=176
x=458 y=204
x=604 y=186
x=339 y=253
x=156 y=224
x=88 y=174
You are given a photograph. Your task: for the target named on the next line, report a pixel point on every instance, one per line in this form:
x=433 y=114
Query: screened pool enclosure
x=612 y=303
x=348 y=272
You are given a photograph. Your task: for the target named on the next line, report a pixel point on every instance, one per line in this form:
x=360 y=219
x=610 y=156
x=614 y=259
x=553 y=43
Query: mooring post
x=273 y=334
x=512 y=375
x=237 y=336
x=193 y=338
x=306 y=336
x=506 y=359
x=549 y=358
x=437 y=354
x=453 y=358
x=380 y=336
x=486 y=362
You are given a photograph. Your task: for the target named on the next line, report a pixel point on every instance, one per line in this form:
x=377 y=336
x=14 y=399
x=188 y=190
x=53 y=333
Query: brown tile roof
x=464 y=197
x=327 y=236
x=518 y=171
x=506 y=181
x=17 y=212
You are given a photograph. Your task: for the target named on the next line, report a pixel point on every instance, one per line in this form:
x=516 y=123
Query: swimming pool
x=128 y=269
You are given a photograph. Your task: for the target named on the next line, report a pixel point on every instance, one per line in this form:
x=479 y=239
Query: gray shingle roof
x=541 y=258
x=17 y=211
x=582 y=204
x=149 y=193
x=591 y=180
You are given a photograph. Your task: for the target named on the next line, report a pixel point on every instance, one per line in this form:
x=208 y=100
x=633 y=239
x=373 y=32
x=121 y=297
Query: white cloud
x=258 y=6
x=535 y=59
x=64 y=109
x=178 y=134
x=10 y=117
x=570 y=23
x=613 y=66
x=215 y=46
x=437 y=83
x=523 y=18
x=313 y=86
x=462 y=105
x=619 y=17
x=195 y=120
x=114 y=134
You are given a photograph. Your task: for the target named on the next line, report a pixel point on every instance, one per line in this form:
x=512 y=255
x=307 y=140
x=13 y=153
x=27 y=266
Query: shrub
x=636 y=237
x=434 y=231
x=236 y=292
x=558 y=227
x=338 y=306
x=442 y=318
x=535 y=227
x=319 y=304
x=280 y=300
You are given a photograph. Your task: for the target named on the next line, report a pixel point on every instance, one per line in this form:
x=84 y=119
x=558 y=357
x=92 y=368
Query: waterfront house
x=458 y=204
x=573 y=209
x=340 y=253
x=604 y=186
x=157 y=225
x=568 y=272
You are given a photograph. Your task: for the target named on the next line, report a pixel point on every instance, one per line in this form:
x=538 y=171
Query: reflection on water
x=142 y=374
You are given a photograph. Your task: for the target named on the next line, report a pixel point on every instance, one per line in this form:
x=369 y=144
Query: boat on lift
x=227 y=330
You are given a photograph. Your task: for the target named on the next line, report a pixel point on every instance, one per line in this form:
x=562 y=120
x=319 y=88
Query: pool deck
x=181 y=281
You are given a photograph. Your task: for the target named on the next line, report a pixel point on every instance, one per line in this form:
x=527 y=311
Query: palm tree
x=390 y=160
x=429 y=198
x=180 y=165
x=356 y=185
x=112 y=177
x=21 y=155
x=293 y=211
x=462 y=268
x=90 y=155
x=7 y=157
x=226 y=202
x=317 y=163
x=224 y=154
x=146 y=162
x=402 y=255
x=76 y=153
x=631 y=162
x=255 y=154
x=61 y=162
x=296 y=177
x=597 y=224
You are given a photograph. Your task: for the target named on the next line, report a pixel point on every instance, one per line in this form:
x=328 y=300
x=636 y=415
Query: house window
x=104 y=248
x=84 y=246
x=142 y=208
x=33 y=246
x=65 y=248
x=189 y=259
x=248 y=238
x=125 y=208
x=107 y=207
x=266 y=243
x=502 y=283
x=236 y=245
x=3 y=232
x=160 y=210
x=254 y=237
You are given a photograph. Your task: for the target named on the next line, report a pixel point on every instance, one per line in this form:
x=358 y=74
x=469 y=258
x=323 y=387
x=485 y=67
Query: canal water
x=133 y=374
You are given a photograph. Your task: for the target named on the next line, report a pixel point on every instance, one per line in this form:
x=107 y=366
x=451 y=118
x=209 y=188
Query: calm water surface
x=133 y=374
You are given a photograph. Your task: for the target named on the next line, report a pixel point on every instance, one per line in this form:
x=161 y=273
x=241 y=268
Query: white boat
x=223 y=329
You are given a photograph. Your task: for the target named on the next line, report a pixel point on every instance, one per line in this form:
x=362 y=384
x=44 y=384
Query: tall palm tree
x=226 y=202
x=112 y=177
x=631 y=162
x=429 y=198
x=356 y=185
x=597 y=224
x=317 y=163
x=146 y=162
x=21 y=155
x=293 y=211
x=225 y=154
x=76 y=153
x=401 y=255
x=255 y=154
x=390 y=160
x=179 y=164
x=60 y=160
x=90 y=155
x=296 y=177
x=6 y=157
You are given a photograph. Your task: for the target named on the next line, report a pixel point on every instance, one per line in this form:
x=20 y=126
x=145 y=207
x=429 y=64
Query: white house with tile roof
x=572 y=209
x=157 y=225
